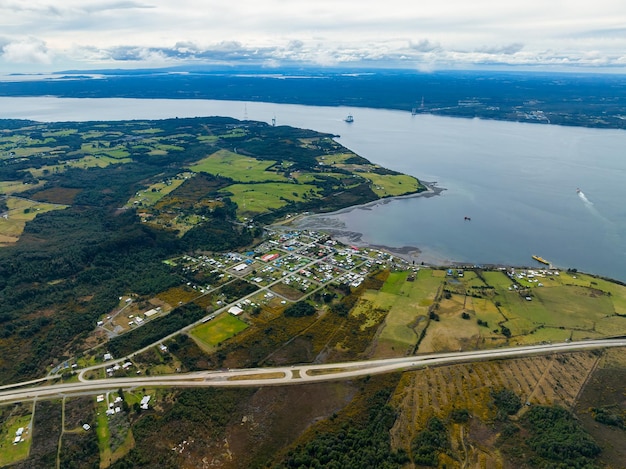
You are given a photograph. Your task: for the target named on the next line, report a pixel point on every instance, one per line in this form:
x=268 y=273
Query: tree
x=300 y=309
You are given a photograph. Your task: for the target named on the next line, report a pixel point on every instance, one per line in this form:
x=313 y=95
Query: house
x=144 y=402
x=100 y=398
x=108 y=356
x=86 y=427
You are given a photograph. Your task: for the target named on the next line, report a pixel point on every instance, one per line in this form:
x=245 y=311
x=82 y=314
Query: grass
x=253 y=199
x=11 y=187
x=571 y=305
x=9 y=452
x=237 y=167
x=157 y=191
x=86 y=162
x=406 y=302
x=389 y=185
x=218 y=330
x=102 y=431
x=20 y=212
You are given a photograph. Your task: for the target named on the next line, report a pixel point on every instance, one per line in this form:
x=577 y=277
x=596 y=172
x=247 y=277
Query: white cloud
x=30 y=51
x=329 y=32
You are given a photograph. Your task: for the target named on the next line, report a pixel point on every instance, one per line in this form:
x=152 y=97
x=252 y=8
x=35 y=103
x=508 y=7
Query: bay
x=517 y=182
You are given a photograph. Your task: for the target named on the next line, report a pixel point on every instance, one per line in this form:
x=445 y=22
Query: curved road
x=297 y=374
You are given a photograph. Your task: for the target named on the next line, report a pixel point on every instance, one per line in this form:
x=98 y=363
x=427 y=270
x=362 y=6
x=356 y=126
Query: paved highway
x=297 y=374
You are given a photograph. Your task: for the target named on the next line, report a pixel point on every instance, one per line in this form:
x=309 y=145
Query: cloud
x=29 y=51
x=325 y=32
x=502 y=50
x=423 y=46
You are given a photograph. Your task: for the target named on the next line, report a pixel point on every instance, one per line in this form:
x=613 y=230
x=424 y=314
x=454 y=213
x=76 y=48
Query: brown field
x=605 y=388
x=274 y=417
x=57 y=195
x=549 y=380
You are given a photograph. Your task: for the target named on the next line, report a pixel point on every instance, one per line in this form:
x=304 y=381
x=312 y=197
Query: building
x=144 y=402
x=235 y=310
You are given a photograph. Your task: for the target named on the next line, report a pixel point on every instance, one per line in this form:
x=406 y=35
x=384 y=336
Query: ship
x=349 y=119
x=541 y=259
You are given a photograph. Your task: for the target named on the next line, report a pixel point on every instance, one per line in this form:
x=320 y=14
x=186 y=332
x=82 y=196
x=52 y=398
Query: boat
x=578 y=190
x=349 y=119
x=541 y=259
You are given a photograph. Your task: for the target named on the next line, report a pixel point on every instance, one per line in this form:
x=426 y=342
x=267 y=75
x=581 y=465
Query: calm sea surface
x=517 y=182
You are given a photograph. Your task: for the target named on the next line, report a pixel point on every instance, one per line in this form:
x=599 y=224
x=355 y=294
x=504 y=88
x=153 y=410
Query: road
x=297 y=374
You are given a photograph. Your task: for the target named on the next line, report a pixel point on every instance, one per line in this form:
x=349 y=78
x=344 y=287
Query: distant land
x=587 y=100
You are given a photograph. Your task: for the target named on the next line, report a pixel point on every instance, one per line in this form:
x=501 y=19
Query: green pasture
x=102 y=430
x=218 y=330
x=546 y=334
x=25 y=152
x=390 y=185
x=152 y=130
x=405 y=302
x=60 y=133
x=237 y=167
x=470 y=279
x=237 y=132
x=253 y=199
x=571 y=306
x=9 y=452
x=82 y=163
x=116 y=152
x=485 y=310
x=335 y=159
x=156 y=192
x=12 y=187
x=497 y=279
x=395 y=282
x=167 y=147
x=22 y=211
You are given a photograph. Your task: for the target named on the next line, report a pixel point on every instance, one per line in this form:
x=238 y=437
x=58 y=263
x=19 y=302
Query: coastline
x=323 y=222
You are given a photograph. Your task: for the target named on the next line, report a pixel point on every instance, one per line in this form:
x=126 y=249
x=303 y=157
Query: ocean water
x=517 y=182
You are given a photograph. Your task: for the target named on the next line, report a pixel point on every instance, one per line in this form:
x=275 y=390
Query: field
x=389 y=185
x=157 y=191
x=86 y=162
x=254 y=199
x=473 y=311
x=238 y=168
x=20 y=212
x=549 y=380
x=218 y=330
x=10 y=452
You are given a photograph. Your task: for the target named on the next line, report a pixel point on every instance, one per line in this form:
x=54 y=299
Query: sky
x=41 y=36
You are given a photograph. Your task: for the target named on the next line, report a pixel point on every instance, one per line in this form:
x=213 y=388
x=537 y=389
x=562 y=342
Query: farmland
x=145 y=233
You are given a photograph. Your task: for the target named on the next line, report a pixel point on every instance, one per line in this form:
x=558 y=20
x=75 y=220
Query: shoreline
x=322 y=222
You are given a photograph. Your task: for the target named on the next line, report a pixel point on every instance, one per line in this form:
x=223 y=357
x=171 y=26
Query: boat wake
x=584 y=198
